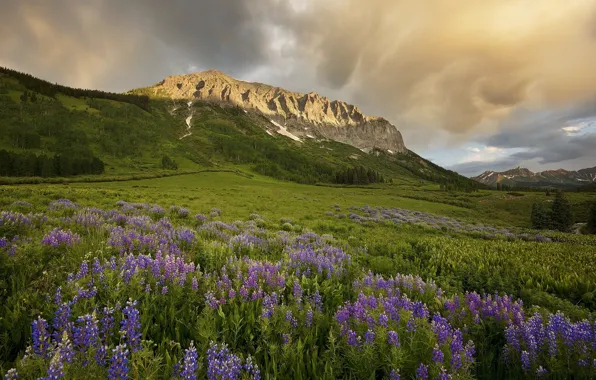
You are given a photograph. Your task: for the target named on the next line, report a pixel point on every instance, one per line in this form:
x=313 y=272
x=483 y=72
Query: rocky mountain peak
x=303 y=114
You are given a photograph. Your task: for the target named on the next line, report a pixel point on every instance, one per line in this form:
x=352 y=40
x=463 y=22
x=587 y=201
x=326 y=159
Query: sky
x=472 y=85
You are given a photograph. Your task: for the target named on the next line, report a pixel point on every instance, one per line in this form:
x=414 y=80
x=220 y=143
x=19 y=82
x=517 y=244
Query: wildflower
x=394 y=375
x=222 y=364
x=422 y=372
x=190 y=365
x=119 y=363
x=56 y=369
x=393 y=338
x=86 y=335
x=438 y=355
x=11 y=374
x=41 y=338
x=130 y=325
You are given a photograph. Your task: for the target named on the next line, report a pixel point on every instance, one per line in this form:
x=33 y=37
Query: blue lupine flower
x=41 y=338
x=190 y=365
x=222 y=364
x=119 y=363
x=86 y=334
x=252 y=369
x=393 y=338
x=422 y=372
x=11 y=374
x=131 y=325
x=438 y=355
x=56 y=369
x=394 y=375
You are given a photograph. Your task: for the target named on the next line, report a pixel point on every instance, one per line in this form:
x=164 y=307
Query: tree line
x=50 y=89
x=358 y=176
x=30 y=165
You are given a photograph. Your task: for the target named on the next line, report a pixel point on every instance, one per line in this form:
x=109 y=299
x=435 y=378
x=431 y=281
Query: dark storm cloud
x=119 y=44
x=459 y=67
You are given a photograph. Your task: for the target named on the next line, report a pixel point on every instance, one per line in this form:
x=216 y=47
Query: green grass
x=76 y=104
x=546 y=276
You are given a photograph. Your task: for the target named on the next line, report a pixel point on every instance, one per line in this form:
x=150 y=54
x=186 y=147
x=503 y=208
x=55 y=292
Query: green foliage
x=358 y=176
x=50 y=89
x=562 y=216
x=541 y=217
x=592 y=220
x=168 y=163
x=30 y=165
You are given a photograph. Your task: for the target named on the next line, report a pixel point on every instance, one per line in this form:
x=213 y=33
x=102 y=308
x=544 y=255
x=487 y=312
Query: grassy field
x=468 y=258
x=240 y=196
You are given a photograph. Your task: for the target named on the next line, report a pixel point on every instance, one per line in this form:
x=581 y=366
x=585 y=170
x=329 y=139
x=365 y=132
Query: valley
x=224 y=241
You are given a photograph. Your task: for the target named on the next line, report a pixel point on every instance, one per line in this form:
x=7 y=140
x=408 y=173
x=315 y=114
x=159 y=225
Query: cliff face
x=302 y=114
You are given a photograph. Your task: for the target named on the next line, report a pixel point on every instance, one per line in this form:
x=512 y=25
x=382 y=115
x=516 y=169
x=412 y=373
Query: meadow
x=229 y=276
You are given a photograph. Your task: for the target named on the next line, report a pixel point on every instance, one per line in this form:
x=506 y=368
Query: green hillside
x=131 y=133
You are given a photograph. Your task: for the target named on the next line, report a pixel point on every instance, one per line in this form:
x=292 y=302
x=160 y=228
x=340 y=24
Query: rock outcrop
x=302 y=114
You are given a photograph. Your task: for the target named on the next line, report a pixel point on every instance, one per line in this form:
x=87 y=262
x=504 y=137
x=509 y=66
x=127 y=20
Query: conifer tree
x=592 y=219
x=562 y=217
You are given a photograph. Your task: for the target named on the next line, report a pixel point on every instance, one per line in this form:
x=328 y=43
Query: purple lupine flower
x=97 y=267
x=119 y=363
x=190 y=365
x=422 y=372
x=62 y=204
x=290 y=318
x=297 y=290
x=222 y=364
x=12 y=374
x=541 y=371
x=394 y=375
x=56 y=369
x=100 y=355
x=130 y=325
x=107 y=323
x=60 y=238
x=195 y=284
x=393 y=338
x=285 y=338
x=164 y=290
x=41 y=337
x=86 y=334
x=83 y=270
x=252 y=369
x=65 y=348
x=525 y=359
x=443 y=375
x=469 y=351
x=309 y=317
x=353 y=338
x=61 y=321
x=369 y=337
x=438 y=355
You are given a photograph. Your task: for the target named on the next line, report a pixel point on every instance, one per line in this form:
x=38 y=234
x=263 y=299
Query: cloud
x=444 y=71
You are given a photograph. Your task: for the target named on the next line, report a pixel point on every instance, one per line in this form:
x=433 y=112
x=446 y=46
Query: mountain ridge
x=525 y=177
x=304 y=115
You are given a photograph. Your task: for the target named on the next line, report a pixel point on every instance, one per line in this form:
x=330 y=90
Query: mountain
x=49 y=130
x=525 y=177
x=303 y=115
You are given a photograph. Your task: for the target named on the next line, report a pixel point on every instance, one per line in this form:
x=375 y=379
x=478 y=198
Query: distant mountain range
x=524 y=177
